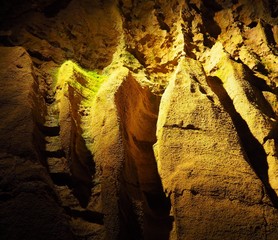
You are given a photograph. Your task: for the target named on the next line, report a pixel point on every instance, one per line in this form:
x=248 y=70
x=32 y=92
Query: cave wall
x=30 y=208
x=139 y=119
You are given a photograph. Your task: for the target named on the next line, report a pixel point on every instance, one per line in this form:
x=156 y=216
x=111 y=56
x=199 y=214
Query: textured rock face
x=29 y=205
x=163 y=124
x=17 y=88
x=208 y=177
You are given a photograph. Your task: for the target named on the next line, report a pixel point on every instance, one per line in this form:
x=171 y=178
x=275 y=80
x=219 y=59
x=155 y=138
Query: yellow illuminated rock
x=139 y=120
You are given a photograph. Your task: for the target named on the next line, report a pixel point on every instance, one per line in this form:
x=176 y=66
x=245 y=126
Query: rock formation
x=138 y=119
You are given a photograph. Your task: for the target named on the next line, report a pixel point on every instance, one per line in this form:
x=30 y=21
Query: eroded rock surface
x=30 y=208
x=139 y=119
x=208 y=171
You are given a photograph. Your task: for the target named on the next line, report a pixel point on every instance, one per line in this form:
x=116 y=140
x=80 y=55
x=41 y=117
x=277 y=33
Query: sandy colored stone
x=213 y=174
x=29 y=205
x=17 y=85
x=207 y=177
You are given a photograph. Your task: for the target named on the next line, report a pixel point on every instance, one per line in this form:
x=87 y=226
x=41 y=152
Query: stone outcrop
x=30 y=208
x=139 y=119
x=203 y=167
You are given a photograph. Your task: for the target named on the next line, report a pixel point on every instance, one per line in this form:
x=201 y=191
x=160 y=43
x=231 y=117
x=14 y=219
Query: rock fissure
x=161 y=19
x=265 y=225
x=217 y=196
x=257 y=157
x=180 y=126
x=138 y=125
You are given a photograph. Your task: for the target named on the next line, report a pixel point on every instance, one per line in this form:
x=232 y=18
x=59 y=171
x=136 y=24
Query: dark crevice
x=138 y=55
x=165 y=67
x=257 y=157
x=49 y=99
x=36 y=32
x=161 y=18
x=82 y=191
x=138 y=125
x=267 y=29
x=259 y=84
x=180 y=126
x=129 y=224
x=273 y=4
x=82 y=165
x=162 y=24
x=50 y=131
x=213 y=5
x=55 y=154
x=155 y=203
x=87 y=215
x=193 y=6
x=261 y=68
x=252 y=24
x=188 y=47
x=54 y=8
x=269 y=35
x=210 y=28
x=194 y=192
x=62 y=179
x=208 y=42
x=39 y=56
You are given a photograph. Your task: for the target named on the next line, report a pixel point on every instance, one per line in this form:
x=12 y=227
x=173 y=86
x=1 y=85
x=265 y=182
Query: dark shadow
x=55 y=154
x=39 y=56
x=254 y=150
x=258 y=86
x=193 y=6
x=81 y=161
x=82 y=168
x=62 y=179
x=161 y=18
x=87 y=215
x=130 y=227
x=138 y=55
x=269 y=33
x=252 y=24
x=273 y=5
x=210 y=28
x=49 y=131
x=213 y=5
x=54 y=8
x=140 y=178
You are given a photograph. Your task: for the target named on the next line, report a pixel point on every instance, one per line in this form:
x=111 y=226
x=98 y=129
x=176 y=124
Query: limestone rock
x=29 y=205
x=207 y=177
x=141 y=119
x=17 y=87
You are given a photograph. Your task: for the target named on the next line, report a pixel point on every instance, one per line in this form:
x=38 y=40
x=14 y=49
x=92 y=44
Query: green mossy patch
x=86 y=83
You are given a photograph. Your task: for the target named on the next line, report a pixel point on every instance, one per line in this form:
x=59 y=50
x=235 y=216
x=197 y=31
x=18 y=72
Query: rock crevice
x=141 y=181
